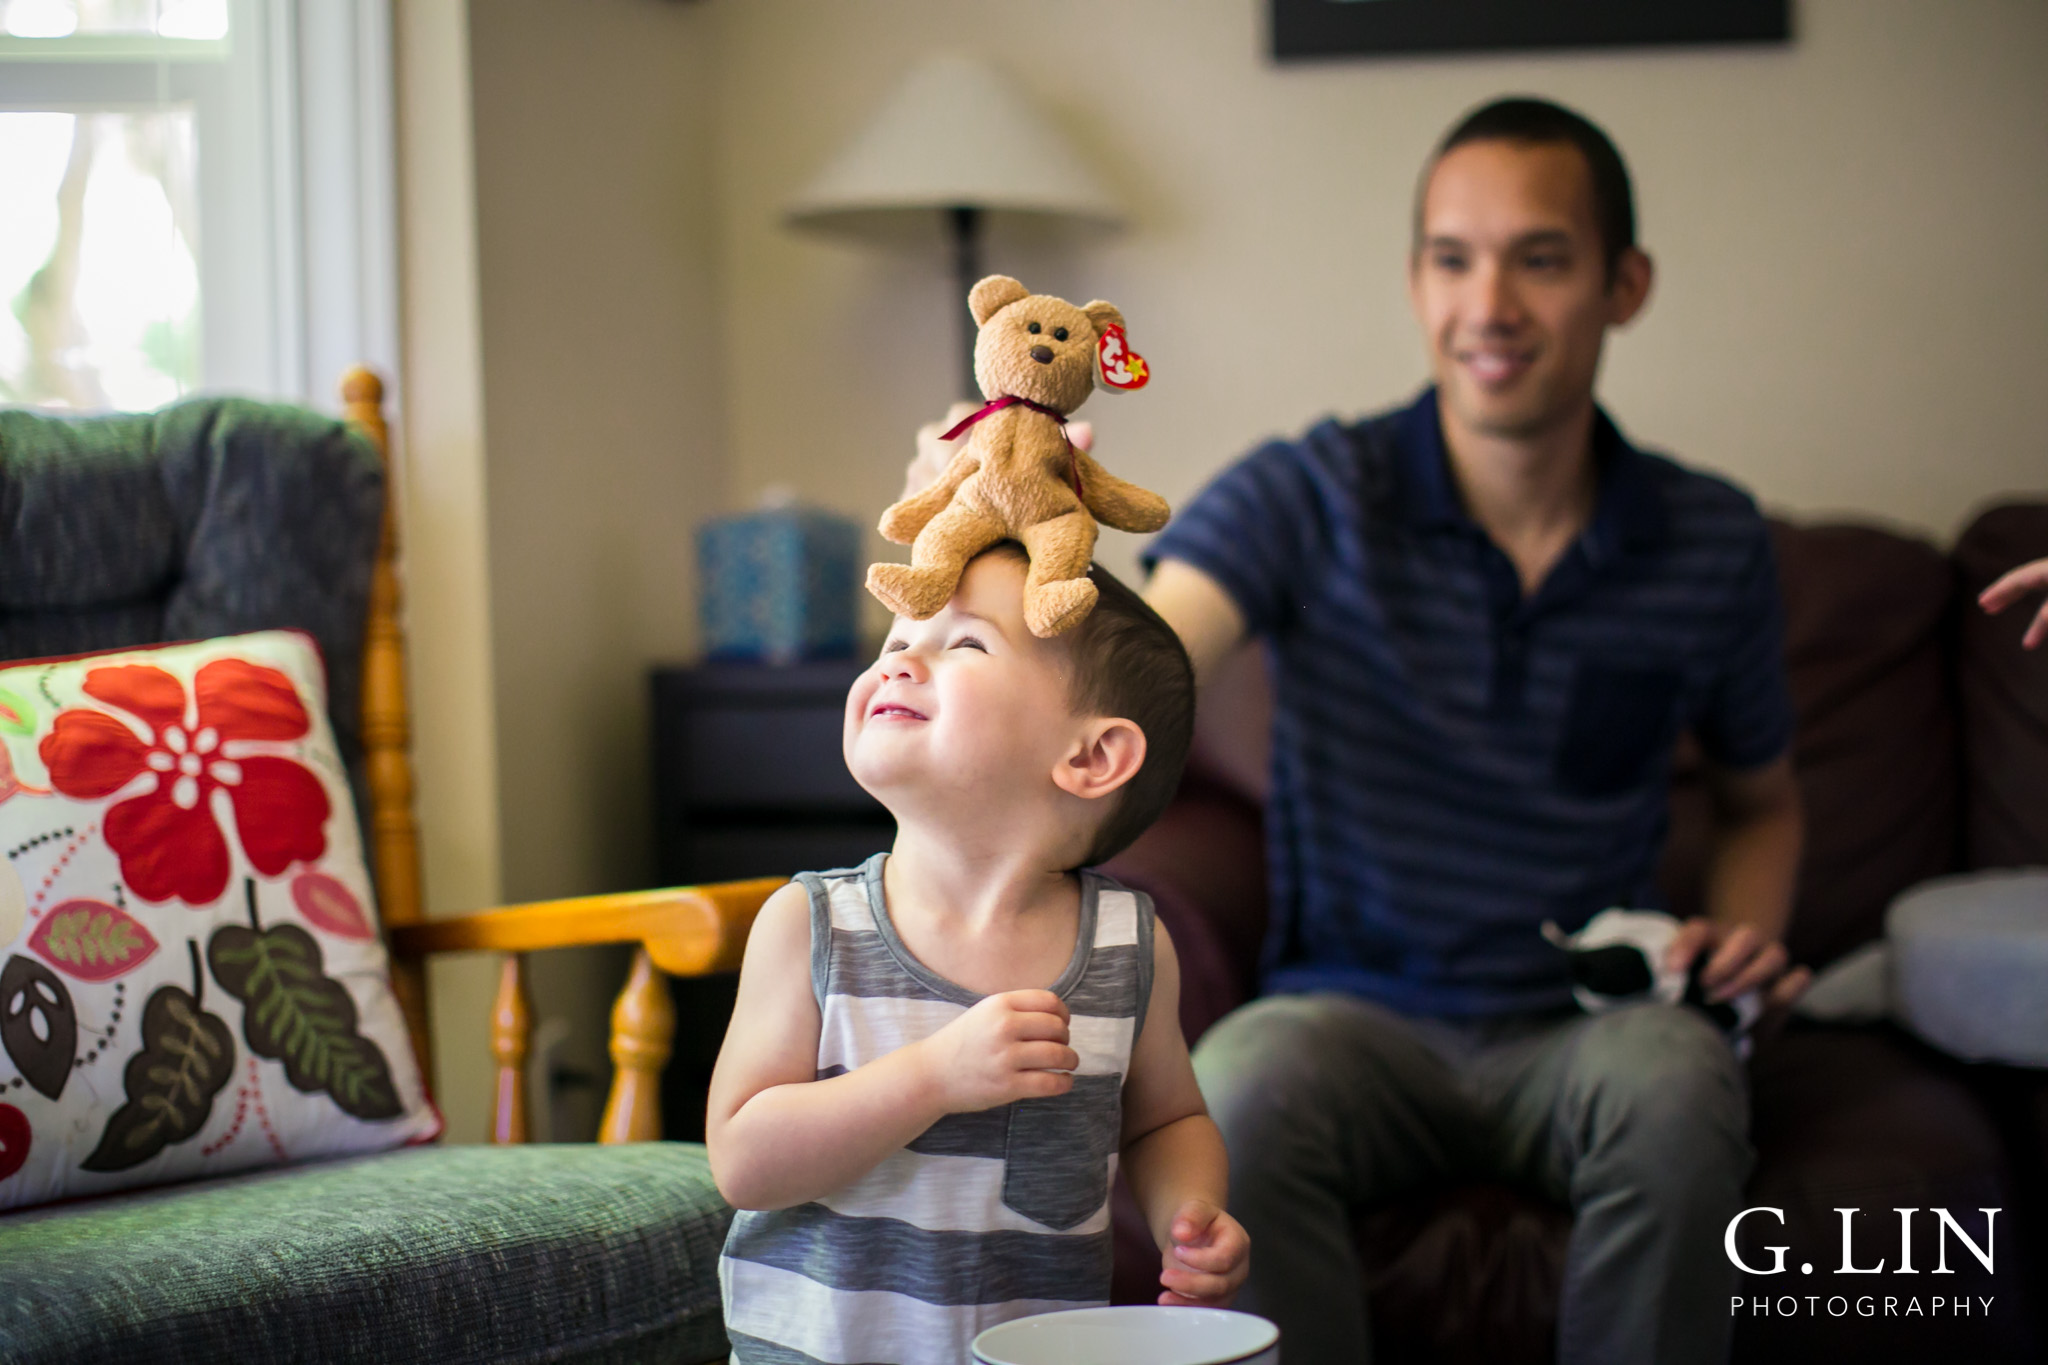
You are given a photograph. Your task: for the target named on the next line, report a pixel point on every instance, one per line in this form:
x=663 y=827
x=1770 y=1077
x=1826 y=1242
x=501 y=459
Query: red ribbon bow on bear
x=1011 y=400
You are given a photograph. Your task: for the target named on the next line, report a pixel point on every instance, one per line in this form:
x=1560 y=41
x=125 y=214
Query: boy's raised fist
x=1011 y=1046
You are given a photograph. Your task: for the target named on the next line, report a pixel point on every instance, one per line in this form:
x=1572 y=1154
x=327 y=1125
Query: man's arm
x=1752 y=875
x=1174 y=1155
x=1208 y=622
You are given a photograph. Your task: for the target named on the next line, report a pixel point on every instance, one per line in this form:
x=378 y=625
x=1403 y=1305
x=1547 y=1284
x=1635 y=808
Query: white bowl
x=1132 y=1335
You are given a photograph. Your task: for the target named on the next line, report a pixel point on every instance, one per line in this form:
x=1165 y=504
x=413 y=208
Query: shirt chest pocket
x=1057 y=1150
x=1619 y=721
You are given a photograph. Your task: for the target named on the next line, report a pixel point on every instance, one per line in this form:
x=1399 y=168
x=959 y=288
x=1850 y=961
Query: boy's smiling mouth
x=889 y=710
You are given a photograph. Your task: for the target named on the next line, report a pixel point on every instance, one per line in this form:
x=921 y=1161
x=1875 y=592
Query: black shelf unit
x=748 y=782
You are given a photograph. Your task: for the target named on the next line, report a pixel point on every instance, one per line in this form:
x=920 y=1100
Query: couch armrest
x=687 y=930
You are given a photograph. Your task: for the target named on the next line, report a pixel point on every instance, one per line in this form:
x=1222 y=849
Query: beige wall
x=601 y=395
x=1849 y=233
x=600 y=380
x=439 y=452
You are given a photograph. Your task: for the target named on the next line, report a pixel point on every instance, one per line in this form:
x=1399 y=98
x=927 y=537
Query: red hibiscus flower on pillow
x=165 y=836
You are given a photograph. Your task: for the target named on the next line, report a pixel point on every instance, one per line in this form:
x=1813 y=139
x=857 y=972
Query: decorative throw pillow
x=1969 y=955
x=191 y=979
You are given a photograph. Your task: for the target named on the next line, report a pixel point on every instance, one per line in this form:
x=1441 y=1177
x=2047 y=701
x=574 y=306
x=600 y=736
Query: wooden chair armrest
x=687 y=930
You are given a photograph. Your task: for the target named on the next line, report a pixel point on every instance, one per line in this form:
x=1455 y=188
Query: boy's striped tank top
x=984 y=1217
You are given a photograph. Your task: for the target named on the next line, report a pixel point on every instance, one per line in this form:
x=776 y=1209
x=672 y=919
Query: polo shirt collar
x=1628 y=512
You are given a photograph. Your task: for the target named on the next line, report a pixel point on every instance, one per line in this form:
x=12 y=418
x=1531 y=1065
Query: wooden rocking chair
x=600 y=1252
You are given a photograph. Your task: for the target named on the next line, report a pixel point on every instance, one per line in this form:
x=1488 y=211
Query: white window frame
x=298 y=256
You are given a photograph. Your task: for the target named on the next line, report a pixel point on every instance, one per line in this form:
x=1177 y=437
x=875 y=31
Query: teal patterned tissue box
x=779 y=585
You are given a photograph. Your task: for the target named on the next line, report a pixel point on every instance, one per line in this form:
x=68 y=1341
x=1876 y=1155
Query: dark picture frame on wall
x=1305 y=29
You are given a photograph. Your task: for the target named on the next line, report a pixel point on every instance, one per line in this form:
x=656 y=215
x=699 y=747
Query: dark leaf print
x=37 y=1024
x=187 y=1056
x=294 y=1013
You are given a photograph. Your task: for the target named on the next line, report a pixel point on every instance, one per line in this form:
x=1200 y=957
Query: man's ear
x=1108 y=754
x=1629 y=290
x=993 y=294
x=1103 y=316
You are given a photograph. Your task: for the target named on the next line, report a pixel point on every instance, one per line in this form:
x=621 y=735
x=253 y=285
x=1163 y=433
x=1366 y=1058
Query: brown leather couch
x=1922 y=749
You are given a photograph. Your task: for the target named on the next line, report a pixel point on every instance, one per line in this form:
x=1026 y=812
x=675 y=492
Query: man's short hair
x=1524 y=118
x=1128 y=663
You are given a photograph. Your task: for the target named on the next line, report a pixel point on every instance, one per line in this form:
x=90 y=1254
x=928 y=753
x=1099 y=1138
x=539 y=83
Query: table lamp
x=959 y=140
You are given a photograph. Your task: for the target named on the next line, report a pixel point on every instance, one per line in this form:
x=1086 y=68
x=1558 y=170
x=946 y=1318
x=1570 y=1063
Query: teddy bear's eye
x=1032 y=328
x=1059 y=334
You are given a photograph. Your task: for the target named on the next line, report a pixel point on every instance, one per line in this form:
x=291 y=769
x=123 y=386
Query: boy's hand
x=1210 y=1257
x=1008 y=1047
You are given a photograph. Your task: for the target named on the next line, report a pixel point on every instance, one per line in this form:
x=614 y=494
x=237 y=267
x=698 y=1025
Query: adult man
x=1490 y=617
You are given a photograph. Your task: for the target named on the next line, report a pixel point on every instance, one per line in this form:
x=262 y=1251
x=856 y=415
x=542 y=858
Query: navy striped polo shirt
x=1453 y=762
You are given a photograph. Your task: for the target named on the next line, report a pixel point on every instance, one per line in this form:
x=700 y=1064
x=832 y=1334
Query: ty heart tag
x=1122 y=367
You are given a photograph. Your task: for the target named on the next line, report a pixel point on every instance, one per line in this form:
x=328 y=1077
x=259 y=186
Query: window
x=168 y=170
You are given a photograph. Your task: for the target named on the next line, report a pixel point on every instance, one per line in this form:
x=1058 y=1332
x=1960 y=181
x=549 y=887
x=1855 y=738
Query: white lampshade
x=956 y=134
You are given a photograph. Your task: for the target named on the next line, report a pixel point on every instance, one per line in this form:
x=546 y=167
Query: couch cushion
x=449 y=1254
x=1866 y=631
x=1968 y=956
x=2004 y=694
x=1468 y=1275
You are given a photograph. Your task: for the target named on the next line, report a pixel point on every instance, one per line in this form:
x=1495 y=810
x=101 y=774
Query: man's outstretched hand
x=1209 y=1259
x=2024 y=581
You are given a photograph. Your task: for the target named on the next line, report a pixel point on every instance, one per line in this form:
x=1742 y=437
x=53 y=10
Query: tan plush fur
x=1014 y=477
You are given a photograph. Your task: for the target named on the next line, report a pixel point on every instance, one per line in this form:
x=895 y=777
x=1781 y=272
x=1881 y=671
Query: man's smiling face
x=1510 y=282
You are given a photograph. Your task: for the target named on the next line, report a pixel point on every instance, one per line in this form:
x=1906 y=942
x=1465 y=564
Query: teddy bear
x=1018 y=477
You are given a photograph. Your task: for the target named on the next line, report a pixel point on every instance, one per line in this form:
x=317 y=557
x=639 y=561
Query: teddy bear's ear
x=992 y=295
x=1103 y=316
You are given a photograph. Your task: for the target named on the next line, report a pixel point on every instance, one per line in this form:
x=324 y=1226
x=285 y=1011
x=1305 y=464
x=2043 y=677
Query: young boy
x=936 y=1059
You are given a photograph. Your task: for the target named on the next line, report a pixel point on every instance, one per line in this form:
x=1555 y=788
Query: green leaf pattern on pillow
x=187 y=1056
x=294 y=1013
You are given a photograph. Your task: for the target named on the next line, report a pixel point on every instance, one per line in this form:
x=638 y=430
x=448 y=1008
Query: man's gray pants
x=1637 y=1119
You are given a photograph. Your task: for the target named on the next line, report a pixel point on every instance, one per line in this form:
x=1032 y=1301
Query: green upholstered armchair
x=604 y=1252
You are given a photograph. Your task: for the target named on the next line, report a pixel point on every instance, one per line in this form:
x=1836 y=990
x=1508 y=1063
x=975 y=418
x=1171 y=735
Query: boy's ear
x=993 y=294
x=1108 y=755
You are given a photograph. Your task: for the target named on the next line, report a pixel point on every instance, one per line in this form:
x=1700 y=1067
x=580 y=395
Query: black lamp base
x=966 y=224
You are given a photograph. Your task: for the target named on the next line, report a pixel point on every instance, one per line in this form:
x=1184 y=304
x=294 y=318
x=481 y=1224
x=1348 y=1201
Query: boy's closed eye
x=964 y=642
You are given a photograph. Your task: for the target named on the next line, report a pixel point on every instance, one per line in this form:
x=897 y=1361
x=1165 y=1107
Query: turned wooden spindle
x=387 y=731
x=643 y=1025
x=511 y=1036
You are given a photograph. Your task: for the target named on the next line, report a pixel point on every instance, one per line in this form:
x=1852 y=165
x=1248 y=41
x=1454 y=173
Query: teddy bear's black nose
x=1042 y=354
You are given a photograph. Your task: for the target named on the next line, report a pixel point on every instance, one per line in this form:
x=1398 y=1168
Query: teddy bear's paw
x=1147 y=514
x=1053 y=608
x=910 y=591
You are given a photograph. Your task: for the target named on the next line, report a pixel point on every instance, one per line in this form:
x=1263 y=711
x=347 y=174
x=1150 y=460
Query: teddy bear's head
x=1036 y=346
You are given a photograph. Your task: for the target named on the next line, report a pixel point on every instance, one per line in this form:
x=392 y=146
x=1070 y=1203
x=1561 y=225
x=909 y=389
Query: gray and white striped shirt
x=985 y=1216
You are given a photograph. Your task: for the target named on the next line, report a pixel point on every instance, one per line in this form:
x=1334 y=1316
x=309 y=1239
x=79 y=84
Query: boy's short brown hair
x=1128 y=663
